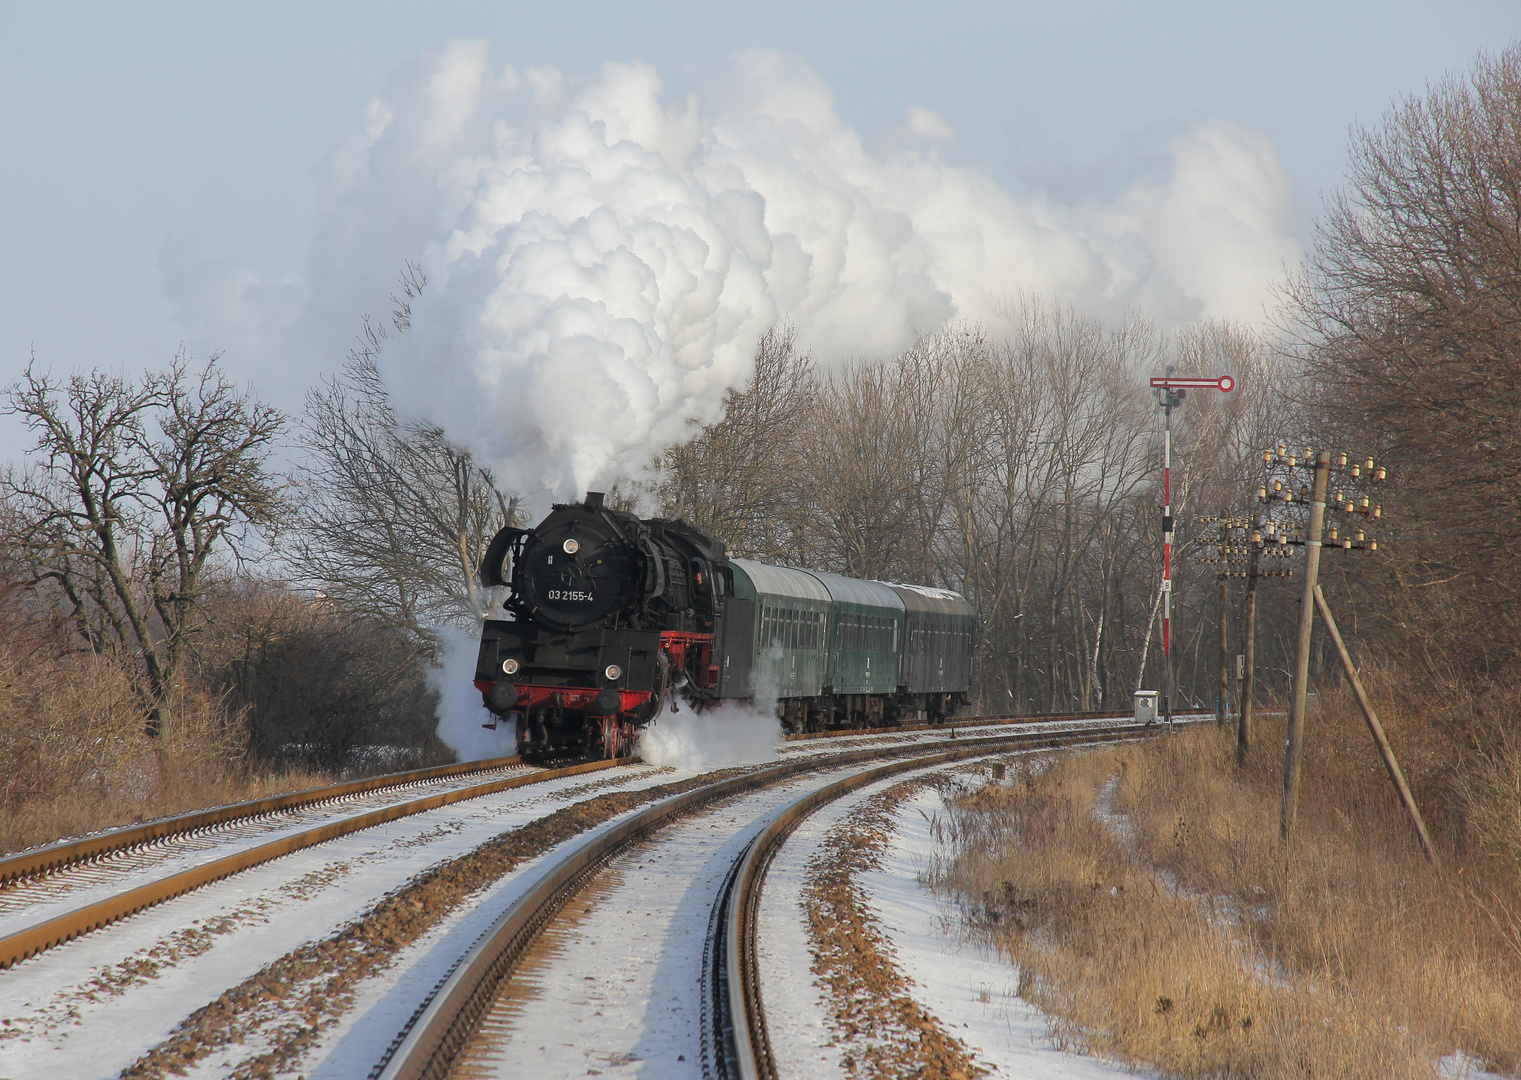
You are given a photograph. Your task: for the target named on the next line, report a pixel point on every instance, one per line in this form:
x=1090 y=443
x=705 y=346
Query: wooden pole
x=1222 y=705
x=1244 y=709
x=1396 y=777
x=1167 y=555
x=1293 y=756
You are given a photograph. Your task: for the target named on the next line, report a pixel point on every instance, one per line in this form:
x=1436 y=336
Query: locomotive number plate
x=570 y=594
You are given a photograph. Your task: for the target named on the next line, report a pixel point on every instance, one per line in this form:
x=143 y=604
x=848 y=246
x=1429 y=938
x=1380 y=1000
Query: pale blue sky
x=128 y=132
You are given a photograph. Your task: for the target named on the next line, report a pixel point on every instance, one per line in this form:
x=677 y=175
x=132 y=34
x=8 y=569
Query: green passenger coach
x=865 y=632
x=833 y=651
x=791 y=613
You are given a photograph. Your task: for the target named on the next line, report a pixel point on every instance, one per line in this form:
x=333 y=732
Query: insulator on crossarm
x=1341 y=459
x=1281 y=449
x=1372 y=545
x=1380 y=475
x=1378 y=511
x=1357 y=470
x=1360 y=535
x=1369 y=466
x=1292 y=461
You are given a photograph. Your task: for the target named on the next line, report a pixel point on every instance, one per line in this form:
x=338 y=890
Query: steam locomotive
x=610 y=617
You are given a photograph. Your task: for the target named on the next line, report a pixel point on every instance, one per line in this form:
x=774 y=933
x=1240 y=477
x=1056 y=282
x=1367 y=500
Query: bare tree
x=744 y=478
x=137 y=487
x=1408 y=322
x=1023 y=473
x=395 y=519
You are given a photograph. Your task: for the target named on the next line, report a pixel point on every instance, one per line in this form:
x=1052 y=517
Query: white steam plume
x=602 y=259
x=731 y=733
x=460 y=712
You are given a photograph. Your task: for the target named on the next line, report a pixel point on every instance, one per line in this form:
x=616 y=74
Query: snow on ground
x=620 y=995
x=91 y=1007
x=27 y=903
x=796 y=1008
x=972 y=992
x=1459 y=1066
x=952 y=732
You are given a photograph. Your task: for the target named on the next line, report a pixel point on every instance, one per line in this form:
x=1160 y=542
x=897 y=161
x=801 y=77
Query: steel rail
x=34 y=939
x=431 y=1040
x=38 y=861
x=744 y=1028
x=53 y=857
x=951 y=723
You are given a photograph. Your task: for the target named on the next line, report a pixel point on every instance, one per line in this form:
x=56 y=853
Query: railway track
x=734 y=1041
x=40 y=875
x=30 y=878
x=369 y=868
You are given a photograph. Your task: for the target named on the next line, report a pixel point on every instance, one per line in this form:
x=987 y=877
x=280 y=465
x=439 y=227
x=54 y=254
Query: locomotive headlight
x=571 y=546
x=612 y=672
x=510 y=666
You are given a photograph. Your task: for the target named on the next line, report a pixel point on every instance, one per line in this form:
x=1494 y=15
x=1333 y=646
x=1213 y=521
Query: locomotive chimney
x=593 y=499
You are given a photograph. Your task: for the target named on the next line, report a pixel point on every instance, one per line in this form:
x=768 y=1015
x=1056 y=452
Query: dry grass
x=74 y=757
x=1156 y=917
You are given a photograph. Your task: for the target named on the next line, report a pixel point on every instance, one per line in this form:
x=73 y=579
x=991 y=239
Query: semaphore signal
x=1170 y=391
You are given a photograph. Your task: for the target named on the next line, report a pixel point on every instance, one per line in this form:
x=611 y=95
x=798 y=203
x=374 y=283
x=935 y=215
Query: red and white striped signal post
x=1171 y=390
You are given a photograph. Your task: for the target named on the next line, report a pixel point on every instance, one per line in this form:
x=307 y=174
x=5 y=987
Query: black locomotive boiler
x=608 y=615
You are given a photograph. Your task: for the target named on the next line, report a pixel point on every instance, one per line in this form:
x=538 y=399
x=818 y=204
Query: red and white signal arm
x=1224 y=383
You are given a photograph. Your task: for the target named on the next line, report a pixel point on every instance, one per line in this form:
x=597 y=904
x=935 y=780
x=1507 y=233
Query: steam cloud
x=729 y=734
x=602 y=258
x=460 y=710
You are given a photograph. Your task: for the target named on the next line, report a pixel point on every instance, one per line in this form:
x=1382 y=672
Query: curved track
x=40 y=877
x=55 y=869
x=733 y=1034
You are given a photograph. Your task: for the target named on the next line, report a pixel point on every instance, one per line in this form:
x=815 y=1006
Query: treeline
x=188 y=621
x=1023 y=471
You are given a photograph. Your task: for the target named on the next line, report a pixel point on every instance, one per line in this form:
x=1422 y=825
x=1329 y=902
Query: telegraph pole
x=1228 y=549
x=1276 y=536
x=1249 y=630
x=1293 y=760
x=1222 y=712
x=1171 y=390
